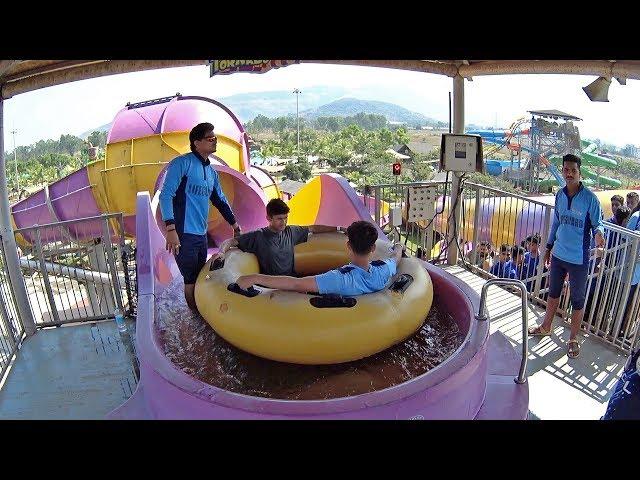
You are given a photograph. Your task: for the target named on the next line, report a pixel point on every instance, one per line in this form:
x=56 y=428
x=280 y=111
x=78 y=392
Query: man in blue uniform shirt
x=189 y=185
x=577 y=216
x=359 y=277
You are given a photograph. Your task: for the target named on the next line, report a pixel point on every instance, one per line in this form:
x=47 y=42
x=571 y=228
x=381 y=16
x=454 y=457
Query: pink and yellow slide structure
x=143 y=139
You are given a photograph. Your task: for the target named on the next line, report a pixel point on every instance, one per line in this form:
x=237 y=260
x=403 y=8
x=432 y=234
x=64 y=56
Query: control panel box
x=461 y=153
x=421 y=203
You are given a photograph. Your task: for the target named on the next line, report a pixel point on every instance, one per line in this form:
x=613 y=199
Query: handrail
x=481 y=316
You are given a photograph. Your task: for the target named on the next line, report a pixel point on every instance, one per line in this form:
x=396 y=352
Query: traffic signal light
x=397 y=168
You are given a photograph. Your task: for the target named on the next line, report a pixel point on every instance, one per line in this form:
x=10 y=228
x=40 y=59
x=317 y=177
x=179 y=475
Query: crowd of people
x=509 y=261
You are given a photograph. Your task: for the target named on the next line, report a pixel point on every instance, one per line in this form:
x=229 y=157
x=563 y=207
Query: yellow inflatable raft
x=309 y=328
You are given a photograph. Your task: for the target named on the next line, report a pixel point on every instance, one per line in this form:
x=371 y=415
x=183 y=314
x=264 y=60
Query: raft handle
x=235 y=288
x=401 y=283
x=217 y=264
x=333 y=301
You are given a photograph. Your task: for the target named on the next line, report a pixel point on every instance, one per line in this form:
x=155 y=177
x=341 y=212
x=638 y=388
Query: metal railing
x=482 y=316
x=74 y=271
x=489 y=214
x=11 y=329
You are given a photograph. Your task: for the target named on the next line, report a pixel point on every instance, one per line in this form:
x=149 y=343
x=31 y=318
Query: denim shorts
x=192 y=256
x=577 y=280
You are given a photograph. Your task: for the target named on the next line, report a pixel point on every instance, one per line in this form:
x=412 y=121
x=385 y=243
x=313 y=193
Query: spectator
x=633 y=200
x=616 y=202
x=531 y=261
x=504 y=267
x=633 y=223
x=517 y=258
x=621 y=218
x=483 y=256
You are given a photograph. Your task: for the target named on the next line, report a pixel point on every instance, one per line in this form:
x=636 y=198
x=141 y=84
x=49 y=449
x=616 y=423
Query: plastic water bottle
x=122 y=326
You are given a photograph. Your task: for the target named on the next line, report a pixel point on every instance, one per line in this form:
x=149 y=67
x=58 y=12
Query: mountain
x=247 y=106
x=313 y=102
x=101 y=128
x=351 y=106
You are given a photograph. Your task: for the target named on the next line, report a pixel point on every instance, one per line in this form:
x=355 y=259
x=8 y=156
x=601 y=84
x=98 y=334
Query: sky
x=74 y=108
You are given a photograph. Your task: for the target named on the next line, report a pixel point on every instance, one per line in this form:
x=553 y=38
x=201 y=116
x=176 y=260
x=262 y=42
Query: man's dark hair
x=618 y=198
x=362 y=236
x=632 y=195
x=535 y=238
x=277 y=207
x=570 y=157
x=198 y=132
x=622 y=213
x=505 y=247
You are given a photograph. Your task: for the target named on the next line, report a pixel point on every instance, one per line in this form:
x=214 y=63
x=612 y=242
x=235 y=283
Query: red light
x=397 y=168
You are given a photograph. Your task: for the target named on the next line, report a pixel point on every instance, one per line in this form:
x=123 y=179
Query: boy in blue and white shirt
x=577 y=216
x=357 y=278
x=504 y=267
x=531 y=259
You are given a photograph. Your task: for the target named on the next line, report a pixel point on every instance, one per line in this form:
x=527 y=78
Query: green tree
x=98 y=139
x=300 y=170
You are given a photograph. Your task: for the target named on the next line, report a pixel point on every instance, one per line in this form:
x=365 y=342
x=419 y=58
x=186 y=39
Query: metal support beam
x=9 y=242
x=85 y=71
x=458 y=127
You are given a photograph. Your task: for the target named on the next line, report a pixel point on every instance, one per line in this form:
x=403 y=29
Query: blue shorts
x=577 y=280
x=192 y=256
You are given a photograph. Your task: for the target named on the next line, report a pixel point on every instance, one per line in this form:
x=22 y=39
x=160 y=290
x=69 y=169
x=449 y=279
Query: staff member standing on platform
x=577 y=216
x=190 y=184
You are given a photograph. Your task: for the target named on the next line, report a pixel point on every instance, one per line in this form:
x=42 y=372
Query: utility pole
x=15 y=159
x=298 y=92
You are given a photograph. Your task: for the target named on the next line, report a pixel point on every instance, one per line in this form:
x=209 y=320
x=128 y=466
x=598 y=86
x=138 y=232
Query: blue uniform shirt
x=188 y=187
x=504 y=269
x=352 y=280
x=529 y=266
x=575 y=220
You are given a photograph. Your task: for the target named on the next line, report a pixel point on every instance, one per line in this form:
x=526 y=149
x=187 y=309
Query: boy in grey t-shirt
x=273 y=245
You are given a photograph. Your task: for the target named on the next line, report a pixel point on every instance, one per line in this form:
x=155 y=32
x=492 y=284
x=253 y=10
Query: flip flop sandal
x=538 y=331
x=573 y=352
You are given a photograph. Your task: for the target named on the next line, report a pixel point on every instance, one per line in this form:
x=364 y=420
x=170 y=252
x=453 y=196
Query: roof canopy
x=20 y=76
x=555 y=114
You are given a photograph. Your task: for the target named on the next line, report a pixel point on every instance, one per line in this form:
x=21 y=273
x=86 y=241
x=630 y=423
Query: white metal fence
x=74 y=270
x=11 y=330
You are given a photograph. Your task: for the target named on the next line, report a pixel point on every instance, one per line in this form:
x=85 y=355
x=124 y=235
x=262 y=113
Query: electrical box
x=461 y=153
x=421 y=203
